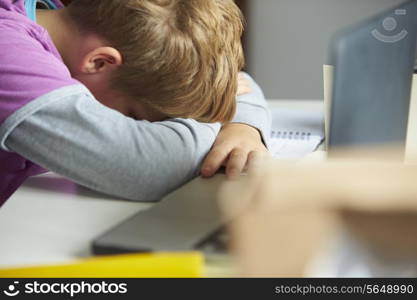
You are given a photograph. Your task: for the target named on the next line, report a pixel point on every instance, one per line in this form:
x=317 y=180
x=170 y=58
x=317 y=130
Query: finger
x=244 y=82
x=244 y=86
x=236 y=163
x=242 y=90
x=213 y=162
x=255 y=160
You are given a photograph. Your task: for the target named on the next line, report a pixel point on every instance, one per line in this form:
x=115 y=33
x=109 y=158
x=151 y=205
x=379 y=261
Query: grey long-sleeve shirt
x=70 y=133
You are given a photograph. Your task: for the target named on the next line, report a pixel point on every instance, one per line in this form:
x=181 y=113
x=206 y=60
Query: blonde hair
x=180 y=57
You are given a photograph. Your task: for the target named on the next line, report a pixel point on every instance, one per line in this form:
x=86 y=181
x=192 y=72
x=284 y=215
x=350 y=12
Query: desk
x=52 y=220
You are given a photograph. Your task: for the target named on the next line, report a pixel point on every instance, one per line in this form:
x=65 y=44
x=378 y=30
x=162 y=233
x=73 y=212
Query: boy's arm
x=79 y=138
x=97 y=147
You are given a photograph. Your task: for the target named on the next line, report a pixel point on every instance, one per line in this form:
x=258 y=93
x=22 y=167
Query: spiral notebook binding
x=291 y=135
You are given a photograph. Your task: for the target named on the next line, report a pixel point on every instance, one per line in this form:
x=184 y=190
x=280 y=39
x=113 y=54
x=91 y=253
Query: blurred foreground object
x=287 y=214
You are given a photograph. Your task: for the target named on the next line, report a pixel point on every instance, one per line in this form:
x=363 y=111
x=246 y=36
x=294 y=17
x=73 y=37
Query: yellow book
x=160 y=265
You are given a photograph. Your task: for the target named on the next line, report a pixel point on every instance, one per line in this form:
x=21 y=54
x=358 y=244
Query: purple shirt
x=30 y=66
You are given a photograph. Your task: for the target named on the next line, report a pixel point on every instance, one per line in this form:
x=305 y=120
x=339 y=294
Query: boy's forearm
x=103 y=150
x=108 y=152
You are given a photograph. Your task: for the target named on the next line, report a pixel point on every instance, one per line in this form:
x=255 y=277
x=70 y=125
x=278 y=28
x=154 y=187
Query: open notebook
x=296 y=133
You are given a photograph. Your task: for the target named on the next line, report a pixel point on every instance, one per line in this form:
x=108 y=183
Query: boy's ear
x=101 y=59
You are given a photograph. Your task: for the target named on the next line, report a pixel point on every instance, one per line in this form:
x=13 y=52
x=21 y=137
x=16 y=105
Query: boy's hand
x=243 y=85
x=237 y=147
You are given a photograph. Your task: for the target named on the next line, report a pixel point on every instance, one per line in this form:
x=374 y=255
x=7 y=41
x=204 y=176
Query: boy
x=145 y=61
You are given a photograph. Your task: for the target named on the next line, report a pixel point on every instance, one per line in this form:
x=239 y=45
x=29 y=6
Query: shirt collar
x=30 y=6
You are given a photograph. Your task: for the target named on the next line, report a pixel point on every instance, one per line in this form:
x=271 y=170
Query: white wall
x=288 y=41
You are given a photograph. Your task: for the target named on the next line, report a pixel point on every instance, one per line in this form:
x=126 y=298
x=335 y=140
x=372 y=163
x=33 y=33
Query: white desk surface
x=52 y=220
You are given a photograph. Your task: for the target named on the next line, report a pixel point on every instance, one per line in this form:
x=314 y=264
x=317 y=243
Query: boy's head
x=178 y=58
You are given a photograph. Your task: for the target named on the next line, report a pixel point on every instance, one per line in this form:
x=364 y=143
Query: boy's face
x=101 y=89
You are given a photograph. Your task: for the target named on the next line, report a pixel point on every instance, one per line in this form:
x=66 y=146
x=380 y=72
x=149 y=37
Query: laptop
x=373 y=61
x=188 y=219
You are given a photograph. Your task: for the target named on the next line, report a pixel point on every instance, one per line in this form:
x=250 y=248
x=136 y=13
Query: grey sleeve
x=101 y=149
x=253 y=110
x=70 y=133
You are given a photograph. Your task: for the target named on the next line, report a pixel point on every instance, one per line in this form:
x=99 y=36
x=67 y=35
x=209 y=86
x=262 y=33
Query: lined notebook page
x=296 y=133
